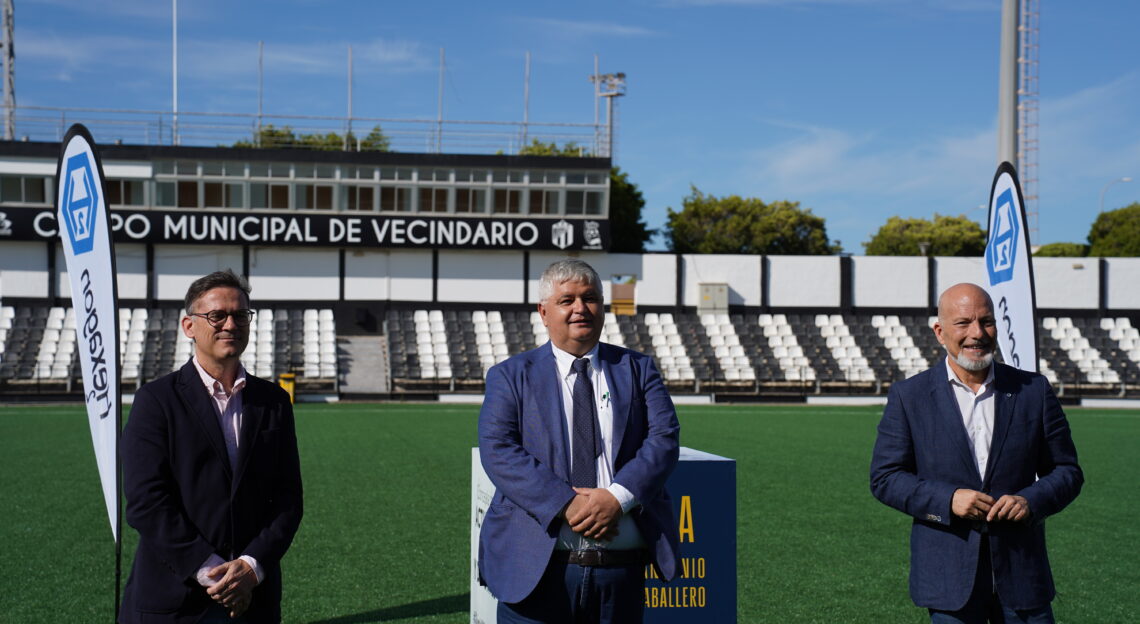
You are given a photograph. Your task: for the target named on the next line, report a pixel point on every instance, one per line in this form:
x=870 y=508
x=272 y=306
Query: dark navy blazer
x=922 y=455
x=523 y=445
x=187 y=503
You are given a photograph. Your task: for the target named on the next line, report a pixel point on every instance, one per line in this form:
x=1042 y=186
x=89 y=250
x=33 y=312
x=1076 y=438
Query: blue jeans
x=985 y=606
x=574 y=594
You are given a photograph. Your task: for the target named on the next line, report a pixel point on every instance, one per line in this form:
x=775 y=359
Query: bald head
x=967 y=329
x=959 y=294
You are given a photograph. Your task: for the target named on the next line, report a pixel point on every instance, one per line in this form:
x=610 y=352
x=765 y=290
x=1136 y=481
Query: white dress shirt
x=628 y=536
x=977 y=411
x=227 y=407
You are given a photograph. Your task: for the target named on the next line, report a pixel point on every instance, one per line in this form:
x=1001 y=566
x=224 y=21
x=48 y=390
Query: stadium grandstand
x=382 y=274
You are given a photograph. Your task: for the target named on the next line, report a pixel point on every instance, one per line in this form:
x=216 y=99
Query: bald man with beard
x=979 y=454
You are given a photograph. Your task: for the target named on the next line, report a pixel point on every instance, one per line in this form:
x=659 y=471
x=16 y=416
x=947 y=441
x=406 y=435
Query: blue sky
x=858 y=109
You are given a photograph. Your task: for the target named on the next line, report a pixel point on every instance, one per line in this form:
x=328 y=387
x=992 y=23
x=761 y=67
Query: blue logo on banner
x=1001 y=251
x=80 y=203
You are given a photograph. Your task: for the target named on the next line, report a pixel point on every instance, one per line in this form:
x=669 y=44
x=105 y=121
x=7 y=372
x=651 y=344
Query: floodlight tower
x=1017 y=98
x=9 y=72
x=1028 y=30
x=609 y=86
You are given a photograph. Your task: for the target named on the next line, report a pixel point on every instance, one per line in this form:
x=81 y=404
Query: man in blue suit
x=579 y=438
x=211 y=475
x=979 y=454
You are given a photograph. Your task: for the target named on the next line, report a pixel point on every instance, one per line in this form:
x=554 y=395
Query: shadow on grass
x=435 y=606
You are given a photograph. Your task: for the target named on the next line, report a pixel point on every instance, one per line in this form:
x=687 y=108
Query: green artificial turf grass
x=387 y=488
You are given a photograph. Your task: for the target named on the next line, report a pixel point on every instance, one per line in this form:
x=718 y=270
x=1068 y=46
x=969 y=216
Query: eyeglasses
x=217 y=318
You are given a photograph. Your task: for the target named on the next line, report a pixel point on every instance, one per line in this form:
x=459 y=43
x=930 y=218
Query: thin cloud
x=589 y=29
x=71 y=54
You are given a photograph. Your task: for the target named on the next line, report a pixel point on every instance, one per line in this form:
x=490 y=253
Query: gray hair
x=568 y=270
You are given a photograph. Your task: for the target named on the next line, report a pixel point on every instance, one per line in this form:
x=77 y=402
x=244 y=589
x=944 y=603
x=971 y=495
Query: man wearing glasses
x=211 y=475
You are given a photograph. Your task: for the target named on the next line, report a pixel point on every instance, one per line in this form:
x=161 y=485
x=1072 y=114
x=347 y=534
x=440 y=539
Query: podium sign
x=703 y=489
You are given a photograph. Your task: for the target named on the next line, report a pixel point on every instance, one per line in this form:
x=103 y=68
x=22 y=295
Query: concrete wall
x=656 y=274
x=366 y=276
x=741 y=273
x=1123 y=283
x=176 y=266
x=950 y=271
x=884 y=282
x=23 y=269
x=281 y=273
x=1067 y=283
x=410 y=275
x=803 y=281
x=487 y=277
x=497 y=277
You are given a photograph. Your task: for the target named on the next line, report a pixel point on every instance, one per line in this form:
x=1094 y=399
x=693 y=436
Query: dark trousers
x=984 y=606
x=574 y=594
x=219 y=615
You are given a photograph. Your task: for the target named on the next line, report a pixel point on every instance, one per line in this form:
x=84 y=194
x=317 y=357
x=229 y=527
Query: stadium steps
x=364 y=365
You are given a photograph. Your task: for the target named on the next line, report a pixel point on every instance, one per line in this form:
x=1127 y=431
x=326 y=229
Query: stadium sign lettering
x=335 y=230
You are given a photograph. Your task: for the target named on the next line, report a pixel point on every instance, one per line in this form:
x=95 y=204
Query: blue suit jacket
x=186 y=502
x=922 y=455
x=523 y=443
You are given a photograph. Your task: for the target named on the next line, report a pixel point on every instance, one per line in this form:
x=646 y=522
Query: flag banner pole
x=89 y=250
x=1009 y=271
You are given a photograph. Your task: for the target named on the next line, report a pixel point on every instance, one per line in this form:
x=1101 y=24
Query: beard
x=972 y=365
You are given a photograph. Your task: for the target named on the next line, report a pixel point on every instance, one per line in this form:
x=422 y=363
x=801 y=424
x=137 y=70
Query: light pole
x=1105 y=188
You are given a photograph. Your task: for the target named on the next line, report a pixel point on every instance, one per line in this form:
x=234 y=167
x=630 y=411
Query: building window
x=188 y=194
x=507 y=176
x=395 y=199
x=164 y=194
x=219 y=195
x=125 y=193
x=359 y=197
x=470 y=200
x=274 y=196
x=507 y=201
x=395 y=173
x=543 y=202
x=433 y=200
x=470 y=175
x=583 y=202
x=316 y=196
x=23 y=189
x=279 y=196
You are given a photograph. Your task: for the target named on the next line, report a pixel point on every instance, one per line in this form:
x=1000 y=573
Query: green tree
x=538 y=148
x=628 y=232
x=734 y=224
x=375 y=141
x=284 y=137
x=944 y=236
x=1116 y=232
x=271 y=136
x=1062 y=250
